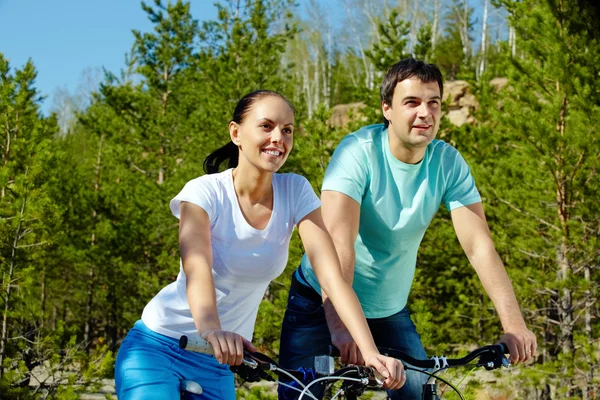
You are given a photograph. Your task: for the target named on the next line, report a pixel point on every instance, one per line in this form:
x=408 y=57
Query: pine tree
x=29 y=232
x=537 y=156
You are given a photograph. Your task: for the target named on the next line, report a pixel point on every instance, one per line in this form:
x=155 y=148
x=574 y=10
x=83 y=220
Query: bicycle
x=356 y=378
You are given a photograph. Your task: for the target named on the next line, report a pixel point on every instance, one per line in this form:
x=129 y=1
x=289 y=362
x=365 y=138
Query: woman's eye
x=265 y=126
x=288 y=131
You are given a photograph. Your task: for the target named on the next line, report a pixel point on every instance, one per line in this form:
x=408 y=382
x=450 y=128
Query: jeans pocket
x=298 y=304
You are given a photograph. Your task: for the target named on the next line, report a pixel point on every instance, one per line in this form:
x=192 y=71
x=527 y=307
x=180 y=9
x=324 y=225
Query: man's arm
x=474 y=236
x=341 y=215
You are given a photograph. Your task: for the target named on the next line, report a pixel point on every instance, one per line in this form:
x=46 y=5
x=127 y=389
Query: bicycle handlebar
x=255 y=365
x=491 y=357
x=198 y=345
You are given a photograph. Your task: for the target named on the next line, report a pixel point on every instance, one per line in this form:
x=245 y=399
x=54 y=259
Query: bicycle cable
x=325 y=378
x=463 y=378
x=302 y=385
x=434 y=375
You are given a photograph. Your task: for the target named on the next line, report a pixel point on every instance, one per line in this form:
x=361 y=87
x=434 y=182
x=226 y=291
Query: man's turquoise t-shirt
x=398 y=201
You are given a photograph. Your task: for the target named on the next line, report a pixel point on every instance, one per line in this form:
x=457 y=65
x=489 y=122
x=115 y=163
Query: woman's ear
x=234 y=133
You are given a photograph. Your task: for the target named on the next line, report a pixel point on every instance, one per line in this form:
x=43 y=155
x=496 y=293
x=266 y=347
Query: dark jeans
x=305 y=334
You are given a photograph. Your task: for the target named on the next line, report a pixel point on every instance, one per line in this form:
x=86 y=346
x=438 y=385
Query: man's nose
x=423 y=109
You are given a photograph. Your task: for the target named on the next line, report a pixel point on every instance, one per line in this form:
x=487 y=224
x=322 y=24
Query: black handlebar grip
x=183 y=341
x=503 y=348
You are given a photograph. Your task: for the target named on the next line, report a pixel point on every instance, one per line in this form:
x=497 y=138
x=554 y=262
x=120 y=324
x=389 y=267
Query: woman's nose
x=276 y=135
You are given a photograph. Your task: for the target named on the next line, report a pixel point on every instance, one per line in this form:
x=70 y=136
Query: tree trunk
x=464 y=32
x=564 y=267
x=512 y=41
x=88 y=328
x=435 y=25
x=482 y=53
x=366 y=65
x=588 y=392
x=8 y=284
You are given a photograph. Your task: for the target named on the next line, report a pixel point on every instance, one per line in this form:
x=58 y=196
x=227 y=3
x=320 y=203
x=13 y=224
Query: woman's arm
x=323 y=257
x=196 y=255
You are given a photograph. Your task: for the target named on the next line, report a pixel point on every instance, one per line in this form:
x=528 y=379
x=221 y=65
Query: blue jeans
x=151 y=366
x=304 y=335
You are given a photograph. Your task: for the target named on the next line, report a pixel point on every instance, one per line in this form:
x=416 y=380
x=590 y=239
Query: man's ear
x=387 y=110
x=234 y=133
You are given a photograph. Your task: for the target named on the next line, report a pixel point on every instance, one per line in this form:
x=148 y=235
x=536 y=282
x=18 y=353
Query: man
x=382 y=188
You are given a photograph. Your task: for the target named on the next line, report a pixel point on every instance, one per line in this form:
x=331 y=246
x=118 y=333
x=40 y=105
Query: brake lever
x=494 y=358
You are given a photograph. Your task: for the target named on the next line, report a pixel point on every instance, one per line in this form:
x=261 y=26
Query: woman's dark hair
x=406 y=69
x=230 y=151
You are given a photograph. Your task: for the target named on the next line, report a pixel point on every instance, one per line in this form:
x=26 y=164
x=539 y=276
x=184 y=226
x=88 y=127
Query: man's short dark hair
x=406 y=69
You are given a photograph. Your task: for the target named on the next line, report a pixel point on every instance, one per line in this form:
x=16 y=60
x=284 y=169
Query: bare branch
x=32 y=245
x=540 y=220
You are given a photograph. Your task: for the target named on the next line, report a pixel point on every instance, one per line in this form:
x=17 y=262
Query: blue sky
x=66 y=37
x=71 y=40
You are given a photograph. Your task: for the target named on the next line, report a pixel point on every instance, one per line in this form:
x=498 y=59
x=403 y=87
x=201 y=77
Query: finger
x=344 y=354
x=239 y=350
x=404 y=378
x=359 y=357
x=216 y=345
x=530 y=349
x=232 y=348
x=523 y=350
x=382 y=369
x=352 y=356
x=514 y=352
x=248 y=345
x=527 y=353
x=224 y=349
x=400 y=374
x=533 y=346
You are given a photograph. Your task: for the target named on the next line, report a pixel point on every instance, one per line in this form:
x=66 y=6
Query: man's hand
x=521 y=343
x=349 y=352
x=340 y=337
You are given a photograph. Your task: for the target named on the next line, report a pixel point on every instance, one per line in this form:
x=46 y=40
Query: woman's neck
x=252 y=184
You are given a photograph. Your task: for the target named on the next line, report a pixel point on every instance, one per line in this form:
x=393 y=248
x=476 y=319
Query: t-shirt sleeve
x=347 y=171
x=198 y=192
x=461 y=190
x=306 y=200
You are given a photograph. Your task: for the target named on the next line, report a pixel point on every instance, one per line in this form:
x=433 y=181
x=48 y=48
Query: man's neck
x=407 y=154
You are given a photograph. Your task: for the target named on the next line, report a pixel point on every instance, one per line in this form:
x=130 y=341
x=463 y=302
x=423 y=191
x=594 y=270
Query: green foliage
x=392 y=44
x=257 y=392
x=453 y=54
x=36 y=348
x=536 y=157
x=424 y=48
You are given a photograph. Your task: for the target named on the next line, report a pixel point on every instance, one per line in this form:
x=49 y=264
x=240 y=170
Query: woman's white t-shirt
x=245 y=259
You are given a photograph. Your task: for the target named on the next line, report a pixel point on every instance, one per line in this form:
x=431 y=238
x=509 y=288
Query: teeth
x=272 y=153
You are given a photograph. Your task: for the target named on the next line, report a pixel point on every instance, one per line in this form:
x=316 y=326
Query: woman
x=234 y=233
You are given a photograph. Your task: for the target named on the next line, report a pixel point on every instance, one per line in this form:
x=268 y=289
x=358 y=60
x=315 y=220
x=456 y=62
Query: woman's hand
x=390 y=368
x=227 y=346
